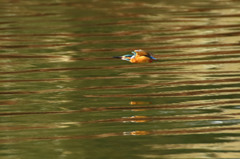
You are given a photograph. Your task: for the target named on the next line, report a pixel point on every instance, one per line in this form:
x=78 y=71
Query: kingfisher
x=138 y=56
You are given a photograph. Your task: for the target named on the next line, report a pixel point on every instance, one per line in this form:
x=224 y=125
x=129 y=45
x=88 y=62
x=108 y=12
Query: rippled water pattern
x=64 y=96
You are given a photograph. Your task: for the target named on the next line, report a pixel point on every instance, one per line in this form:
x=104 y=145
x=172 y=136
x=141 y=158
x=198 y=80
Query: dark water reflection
x=64 y=96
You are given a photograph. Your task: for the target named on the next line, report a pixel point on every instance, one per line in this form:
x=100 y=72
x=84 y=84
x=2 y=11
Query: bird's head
x=141 y=52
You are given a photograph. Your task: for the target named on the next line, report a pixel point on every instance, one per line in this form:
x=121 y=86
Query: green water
x=63 y=96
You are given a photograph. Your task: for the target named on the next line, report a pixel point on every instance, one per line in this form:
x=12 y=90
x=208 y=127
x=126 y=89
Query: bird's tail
x=153 y=58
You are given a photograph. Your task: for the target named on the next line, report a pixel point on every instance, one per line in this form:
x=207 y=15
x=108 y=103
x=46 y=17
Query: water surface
x=64 y=96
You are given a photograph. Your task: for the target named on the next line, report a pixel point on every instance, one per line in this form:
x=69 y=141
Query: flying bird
x=138 y=56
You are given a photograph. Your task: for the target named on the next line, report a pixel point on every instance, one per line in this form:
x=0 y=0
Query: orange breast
x=140 y=59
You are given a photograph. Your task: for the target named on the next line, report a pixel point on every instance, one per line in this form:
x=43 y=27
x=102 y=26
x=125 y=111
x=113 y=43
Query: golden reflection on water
x=215 y=150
